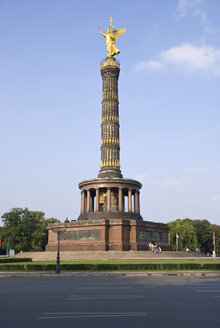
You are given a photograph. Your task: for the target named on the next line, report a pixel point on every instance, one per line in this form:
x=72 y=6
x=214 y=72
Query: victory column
x=110 y=189
x=105 y=221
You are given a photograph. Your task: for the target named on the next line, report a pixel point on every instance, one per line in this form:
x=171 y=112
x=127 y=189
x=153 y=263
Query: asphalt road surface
x=104 y=302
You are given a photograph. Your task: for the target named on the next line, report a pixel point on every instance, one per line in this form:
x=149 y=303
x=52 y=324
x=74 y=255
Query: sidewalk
x=111 y=274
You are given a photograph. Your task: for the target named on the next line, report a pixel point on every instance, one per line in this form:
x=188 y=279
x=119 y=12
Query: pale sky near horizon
x=50 y=103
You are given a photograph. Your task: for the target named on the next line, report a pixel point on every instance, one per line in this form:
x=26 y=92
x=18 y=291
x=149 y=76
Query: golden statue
x=111 y=36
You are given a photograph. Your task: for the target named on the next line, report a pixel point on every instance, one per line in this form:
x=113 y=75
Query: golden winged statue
x=111 y=36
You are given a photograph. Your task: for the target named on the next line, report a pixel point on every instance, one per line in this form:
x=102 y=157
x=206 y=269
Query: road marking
x=202 y=285
x=102 y=297
x=70 y=315
x=207 y=291
x=86 y=288
x=207 y=287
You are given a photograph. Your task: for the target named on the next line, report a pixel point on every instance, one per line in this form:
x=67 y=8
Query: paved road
x=110 y=302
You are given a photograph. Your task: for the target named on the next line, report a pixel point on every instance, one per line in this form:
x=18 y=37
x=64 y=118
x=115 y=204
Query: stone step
x=102 y=255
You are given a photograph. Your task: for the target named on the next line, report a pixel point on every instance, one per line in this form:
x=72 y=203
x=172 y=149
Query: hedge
x=110 y=267
x=13 y=260
x=27 y=267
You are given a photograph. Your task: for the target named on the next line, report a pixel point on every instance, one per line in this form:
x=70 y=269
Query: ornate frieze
x=80 y=235
x=152 y=236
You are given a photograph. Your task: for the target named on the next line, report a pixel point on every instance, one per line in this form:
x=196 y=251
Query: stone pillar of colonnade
x=88 y=208
x=136 y=202
x=82 y=201
x=92 y=203
x=129 y=200
x=120 y=199
x=97 y=200
x=109 y=200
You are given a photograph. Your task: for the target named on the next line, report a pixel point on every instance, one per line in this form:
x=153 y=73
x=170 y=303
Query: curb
x=112 y=274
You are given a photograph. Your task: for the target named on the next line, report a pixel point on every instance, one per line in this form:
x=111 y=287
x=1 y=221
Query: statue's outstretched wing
x=117 y=33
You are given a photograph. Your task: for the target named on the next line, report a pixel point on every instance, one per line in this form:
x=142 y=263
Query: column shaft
x=120 y=200
x=136 y=202
x=109 y=200
x=82 y=202
x=139 y=210
x=88 y=201
x=110 y=145
x=97 y=200
x=85 y=201
x=92 y=199
x=129 y=200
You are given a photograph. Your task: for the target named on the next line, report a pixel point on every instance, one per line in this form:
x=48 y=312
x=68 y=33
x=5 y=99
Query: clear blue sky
x=50 y=103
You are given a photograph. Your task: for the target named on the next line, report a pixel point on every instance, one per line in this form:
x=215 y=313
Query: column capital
x=121 y=188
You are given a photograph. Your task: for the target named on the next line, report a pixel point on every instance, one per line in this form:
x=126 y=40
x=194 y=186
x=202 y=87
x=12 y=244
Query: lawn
x=208 y=261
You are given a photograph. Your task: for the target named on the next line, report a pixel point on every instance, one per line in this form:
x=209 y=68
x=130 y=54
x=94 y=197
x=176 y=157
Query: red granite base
x=106 y=235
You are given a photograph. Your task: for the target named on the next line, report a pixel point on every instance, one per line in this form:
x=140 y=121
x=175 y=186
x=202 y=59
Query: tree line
x=194 y=234
x=25 y=230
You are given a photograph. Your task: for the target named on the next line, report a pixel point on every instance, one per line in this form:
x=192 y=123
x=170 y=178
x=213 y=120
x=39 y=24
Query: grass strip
x=131 y=261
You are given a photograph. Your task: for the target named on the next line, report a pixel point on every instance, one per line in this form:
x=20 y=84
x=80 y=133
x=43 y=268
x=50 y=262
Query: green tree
x=12 y=230
x=2 y=249
x=24 y=230
x=204 y=235
x=186 y=232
